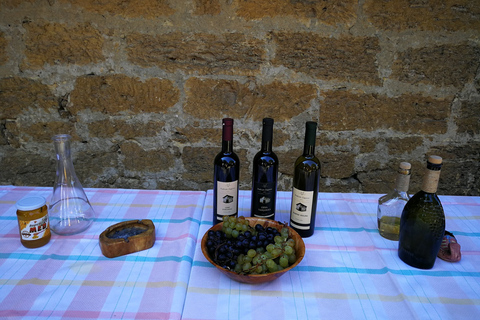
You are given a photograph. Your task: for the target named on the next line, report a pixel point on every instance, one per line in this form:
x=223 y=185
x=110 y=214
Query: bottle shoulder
x=226 y=156
x=310 y=161
x=395 y=195
x=425 y=199
x=265 y=156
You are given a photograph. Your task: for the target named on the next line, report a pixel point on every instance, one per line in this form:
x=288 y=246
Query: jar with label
x=32 y=214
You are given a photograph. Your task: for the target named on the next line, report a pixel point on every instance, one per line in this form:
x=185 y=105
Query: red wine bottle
x=422 y=224
x=226 y=177
x=265 y=175
x=306 y=179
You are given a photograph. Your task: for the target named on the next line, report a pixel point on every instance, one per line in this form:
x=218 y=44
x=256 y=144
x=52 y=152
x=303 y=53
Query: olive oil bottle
x=391 y=205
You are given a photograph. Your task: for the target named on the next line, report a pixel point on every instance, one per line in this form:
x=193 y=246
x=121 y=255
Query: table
x=349 y=270
x=69 y=278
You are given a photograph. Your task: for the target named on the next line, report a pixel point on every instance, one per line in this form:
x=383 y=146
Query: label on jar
x=301 y=211
x=34 y=229
x=227 y=198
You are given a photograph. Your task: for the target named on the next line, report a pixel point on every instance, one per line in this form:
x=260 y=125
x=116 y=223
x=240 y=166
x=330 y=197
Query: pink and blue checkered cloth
x=349 y=270
x=69 y=278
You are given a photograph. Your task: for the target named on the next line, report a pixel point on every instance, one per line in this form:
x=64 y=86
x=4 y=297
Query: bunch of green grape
x=251 y=250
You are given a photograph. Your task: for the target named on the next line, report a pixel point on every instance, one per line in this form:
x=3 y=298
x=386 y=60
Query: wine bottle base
x=413 y=261
x=219 y=218
x=304 y=233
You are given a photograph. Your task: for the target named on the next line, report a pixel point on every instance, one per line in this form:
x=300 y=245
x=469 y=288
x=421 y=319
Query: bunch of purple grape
x=247 y=249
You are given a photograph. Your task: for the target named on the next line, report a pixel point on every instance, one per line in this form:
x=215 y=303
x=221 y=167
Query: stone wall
x=142 y=86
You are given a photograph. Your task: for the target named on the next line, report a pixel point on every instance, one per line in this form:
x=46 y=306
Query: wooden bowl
x=127 y=237
x=257 y=278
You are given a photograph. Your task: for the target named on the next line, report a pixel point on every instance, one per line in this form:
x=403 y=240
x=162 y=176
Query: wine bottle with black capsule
x=422 y=224
x=265 y=175
x=226 y=176
x=390 y=206
x=306 y=178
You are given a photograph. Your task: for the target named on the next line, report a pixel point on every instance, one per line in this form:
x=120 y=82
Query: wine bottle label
x=430 y=181
x=264 y=199
x=227 y=198
x=34 y=229
x=301 y=211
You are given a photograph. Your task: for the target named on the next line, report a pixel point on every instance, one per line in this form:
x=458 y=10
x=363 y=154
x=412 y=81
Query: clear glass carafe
x=70 y=211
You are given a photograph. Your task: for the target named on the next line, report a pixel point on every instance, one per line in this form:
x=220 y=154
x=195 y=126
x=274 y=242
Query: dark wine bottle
x=305 y=185
x=265 y=174
x=225 y=176
x=422 y=224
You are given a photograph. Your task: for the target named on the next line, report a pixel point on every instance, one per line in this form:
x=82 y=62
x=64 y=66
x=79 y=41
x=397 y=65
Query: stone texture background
x=142 y=86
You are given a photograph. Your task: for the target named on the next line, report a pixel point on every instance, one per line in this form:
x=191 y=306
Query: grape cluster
x=250 y=250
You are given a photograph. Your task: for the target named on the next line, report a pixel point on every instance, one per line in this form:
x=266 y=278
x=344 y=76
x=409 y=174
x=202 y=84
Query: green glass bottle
x=422 y=224
x=306 y=178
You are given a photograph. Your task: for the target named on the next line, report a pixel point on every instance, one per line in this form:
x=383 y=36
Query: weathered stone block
x=19 y=95
x=443 y=65
x=468 y=121
x=125 y=129
x=399 y=145
x=26 y=168
x=204 y=53
x=203 y=7
x=337 y=165
x=344 y=58
x=346 y=110
x=326 y=11
x=3 y=48
x=121 y=94
x=138 y=159
x=98 y=168
x=450 y=15
x=44 y=131
x=198 y=163
x=191 y=134
x=207 y=97
x=132 y=8
x=55 y=43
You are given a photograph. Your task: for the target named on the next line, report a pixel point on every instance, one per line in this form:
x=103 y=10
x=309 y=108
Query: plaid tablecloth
x=349 y=270
x=69 y=278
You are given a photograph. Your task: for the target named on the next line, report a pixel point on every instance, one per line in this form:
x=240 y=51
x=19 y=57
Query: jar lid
x=31 y=203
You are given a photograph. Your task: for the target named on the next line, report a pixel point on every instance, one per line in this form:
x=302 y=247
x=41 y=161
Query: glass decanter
x=70 y=211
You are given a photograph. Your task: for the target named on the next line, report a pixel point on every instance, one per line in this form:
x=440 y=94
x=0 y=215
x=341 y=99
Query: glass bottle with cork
x=391 y=205
x=422 y=225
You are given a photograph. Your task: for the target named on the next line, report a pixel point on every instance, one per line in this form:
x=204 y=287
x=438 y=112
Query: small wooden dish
x=257 y=278
x=127 y=237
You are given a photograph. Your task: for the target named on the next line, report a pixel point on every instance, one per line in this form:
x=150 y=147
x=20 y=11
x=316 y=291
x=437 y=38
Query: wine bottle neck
x=430 y=181
x=227 y=135
x=309 y=150
x=227 y=146
x=267 y=135
x=310 y=135
x=267 y=146
x=432 y=174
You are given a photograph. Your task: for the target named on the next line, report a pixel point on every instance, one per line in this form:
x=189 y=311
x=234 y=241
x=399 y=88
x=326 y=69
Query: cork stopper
x=405 y=165
x=435 y=159
x=432 y=175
